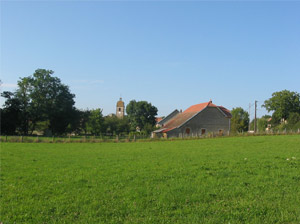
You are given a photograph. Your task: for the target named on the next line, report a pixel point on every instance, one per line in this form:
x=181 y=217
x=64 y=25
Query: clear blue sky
x=172 y=54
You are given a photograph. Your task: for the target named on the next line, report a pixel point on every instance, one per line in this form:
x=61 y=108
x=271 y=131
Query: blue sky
x=173 y=53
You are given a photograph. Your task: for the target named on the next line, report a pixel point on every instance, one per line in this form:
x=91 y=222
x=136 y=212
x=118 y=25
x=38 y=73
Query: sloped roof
x=169 y=117
x=186 y=115
x=179 y=119
x=225 y=111
x=199 y=107
x=158 y=119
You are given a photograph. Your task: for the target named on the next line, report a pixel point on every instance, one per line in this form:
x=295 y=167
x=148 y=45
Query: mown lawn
x=223 y=180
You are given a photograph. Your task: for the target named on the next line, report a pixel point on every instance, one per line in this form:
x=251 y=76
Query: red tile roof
x=199 y=107
x=158 y=119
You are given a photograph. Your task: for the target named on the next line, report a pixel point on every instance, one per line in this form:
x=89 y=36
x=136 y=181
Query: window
x=203 y=131
x=187 y=130
x=119 y=108
x=220 y=132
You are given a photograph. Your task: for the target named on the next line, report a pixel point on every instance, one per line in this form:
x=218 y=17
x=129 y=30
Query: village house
x=197 y=120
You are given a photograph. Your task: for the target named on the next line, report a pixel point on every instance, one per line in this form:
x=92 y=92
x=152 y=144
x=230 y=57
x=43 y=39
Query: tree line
x=43 y=104
x=285 y=108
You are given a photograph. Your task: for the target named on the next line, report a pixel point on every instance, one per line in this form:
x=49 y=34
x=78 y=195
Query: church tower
x=120 y=109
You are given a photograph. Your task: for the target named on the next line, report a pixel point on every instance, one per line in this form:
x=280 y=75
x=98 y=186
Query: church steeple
x=120 y=112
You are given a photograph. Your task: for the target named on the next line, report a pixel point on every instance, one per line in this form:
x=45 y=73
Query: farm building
x=197 y=120
x=161 y=122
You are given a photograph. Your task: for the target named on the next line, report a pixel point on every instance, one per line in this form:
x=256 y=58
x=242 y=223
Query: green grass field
x=222 y=180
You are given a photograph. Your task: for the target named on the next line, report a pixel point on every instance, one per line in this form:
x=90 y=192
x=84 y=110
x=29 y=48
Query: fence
x=129 y=138
x=75 y=139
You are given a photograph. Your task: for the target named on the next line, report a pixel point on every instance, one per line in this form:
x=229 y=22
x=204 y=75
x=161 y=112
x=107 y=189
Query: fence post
x=37 y=138
x=117 y=138
x=6 y=138
x=22 y=138
x=134 y=138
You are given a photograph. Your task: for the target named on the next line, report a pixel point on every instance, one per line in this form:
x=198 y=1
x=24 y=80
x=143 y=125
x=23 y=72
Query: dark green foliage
x=262 y=123
x=293 y=121
x=239 y=120
x=141 y=114
x=95 y=123
x=84 y=116
x=282 y=104
x=10 y=114
x=225 y=180
x=40 y=98
x=115 y=125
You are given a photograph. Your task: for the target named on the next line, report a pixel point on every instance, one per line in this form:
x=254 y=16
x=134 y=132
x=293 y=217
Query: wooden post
x=134 y=138
x=117 y=138
x=22 y=138
x=255 y=120
x=37 y=138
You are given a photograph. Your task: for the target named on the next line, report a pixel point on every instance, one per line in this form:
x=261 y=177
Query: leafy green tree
x=95 y=124
x=42 y=97
x=23 y=97
x=262 y=123
x=84 y=116
x=294 y=118
x=10 y=114
x=141 y=114
x=123 y=125
x=293 y=121
x=282 y=104
x=50 y=100
x=115 y=125
x=110 y=124
x=239 y=120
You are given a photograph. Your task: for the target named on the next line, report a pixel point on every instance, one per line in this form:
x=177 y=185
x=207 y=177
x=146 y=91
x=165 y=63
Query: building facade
x=197 y=120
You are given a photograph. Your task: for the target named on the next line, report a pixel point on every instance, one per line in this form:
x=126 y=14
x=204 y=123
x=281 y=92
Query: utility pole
x=255 y=126
x=249 y=126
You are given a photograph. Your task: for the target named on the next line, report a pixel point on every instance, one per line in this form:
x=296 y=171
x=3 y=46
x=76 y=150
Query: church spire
x=120 y=110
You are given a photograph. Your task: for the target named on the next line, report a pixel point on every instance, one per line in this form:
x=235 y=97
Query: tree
x=239 y=120
x=115 y=125
x=50 y=100
x=262 y=123
x=141 y=114
x=84 y=116
x=123 y=125
x=43 y=98
x=110 y=124
x=282 y=104
x=293 y=121
x=10 y=114
x=95 y=122
x=294 y=118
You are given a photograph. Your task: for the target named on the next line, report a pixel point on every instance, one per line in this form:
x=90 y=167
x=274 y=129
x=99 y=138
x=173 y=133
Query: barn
x=197 y=120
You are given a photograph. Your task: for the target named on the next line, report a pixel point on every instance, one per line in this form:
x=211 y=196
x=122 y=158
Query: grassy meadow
x=221 y=180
